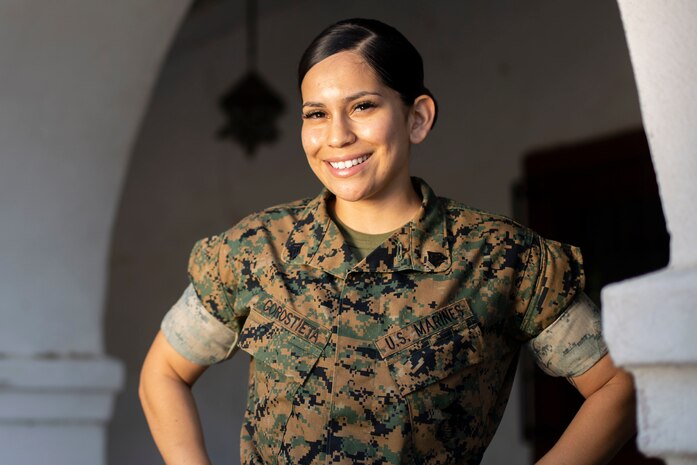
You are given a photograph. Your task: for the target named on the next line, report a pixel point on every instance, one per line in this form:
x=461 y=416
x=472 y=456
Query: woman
x=383 y=322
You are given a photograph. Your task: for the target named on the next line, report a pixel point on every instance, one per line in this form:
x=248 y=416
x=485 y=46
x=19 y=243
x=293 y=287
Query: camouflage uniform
x=405 y=357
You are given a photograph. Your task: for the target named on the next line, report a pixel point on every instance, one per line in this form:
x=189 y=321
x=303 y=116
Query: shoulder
x=271 y=221
x=269 y=225
x=466 y=222
x=253 y=239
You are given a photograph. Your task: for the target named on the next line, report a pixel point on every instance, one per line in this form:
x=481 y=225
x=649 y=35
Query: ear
x=422 y=113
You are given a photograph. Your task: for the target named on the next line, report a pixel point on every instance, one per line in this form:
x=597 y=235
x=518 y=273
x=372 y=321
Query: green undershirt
x=361 y=244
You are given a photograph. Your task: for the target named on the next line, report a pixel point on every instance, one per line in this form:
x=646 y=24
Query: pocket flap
x=282 y=339
x=453 y=343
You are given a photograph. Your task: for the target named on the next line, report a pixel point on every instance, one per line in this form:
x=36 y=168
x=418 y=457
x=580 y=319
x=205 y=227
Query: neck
x=379 y=215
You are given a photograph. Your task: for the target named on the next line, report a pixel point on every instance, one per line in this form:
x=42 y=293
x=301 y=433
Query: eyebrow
x=355 y=96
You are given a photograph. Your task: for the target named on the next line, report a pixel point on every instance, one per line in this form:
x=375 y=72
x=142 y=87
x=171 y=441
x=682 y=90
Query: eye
x=317 y=114
x=363 y=106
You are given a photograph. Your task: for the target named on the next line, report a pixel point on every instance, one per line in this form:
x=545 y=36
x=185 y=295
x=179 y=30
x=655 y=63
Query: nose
x=340 y=133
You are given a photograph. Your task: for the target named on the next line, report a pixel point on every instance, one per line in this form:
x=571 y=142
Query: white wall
x=650 y=321
x=509 y=76
x=74 y=81
x=66 y=128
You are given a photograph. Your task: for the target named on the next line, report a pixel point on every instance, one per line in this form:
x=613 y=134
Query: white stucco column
x=75 y=77
x=651 y=321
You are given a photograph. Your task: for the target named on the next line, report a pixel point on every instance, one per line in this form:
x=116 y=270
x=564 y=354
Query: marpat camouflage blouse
x=406 y=357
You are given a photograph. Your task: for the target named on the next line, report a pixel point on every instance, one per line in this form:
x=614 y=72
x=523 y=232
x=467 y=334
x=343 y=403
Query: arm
x=605 y=421
x=165 y=393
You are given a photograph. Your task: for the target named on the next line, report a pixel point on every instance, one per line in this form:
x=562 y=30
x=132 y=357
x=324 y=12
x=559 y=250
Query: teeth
x=341 y=165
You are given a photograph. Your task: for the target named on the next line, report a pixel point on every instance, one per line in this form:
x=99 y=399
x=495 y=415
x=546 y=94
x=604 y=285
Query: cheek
x=371 y=133
x=385 y=133
x=311 y=139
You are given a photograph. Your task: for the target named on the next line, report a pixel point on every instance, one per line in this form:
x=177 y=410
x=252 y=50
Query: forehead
x=339 y=75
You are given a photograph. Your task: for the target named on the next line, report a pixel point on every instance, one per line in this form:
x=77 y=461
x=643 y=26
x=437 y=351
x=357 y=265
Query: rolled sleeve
x=573 y=343
x=195 y=333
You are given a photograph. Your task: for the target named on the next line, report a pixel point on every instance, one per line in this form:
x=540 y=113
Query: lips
x=340 y=165
x=348 y=167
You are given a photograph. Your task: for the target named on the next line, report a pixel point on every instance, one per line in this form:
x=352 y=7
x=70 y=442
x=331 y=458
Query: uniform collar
x=420 y=245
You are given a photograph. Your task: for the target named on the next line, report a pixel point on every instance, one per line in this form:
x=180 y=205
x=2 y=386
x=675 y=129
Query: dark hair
x=394 y=59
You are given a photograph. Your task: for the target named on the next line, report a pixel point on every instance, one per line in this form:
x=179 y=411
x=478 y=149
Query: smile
x=342 y=165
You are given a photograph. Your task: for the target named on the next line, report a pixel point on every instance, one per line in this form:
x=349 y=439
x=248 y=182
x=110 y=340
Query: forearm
x=605 y=421
x=171 y=413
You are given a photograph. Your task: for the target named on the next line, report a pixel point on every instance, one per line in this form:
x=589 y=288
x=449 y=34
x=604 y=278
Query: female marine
x=384 y=322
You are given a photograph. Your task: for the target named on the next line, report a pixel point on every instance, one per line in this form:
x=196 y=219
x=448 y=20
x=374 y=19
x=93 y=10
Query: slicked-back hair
x=395 y=61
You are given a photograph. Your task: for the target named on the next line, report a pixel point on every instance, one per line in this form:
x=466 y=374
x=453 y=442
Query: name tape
x=420 y=329
x=294 y=322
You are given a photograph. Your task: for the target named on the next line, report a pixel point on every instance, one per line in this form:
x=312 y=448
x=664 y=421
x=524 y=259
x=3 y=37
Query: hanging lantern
x=251 y=106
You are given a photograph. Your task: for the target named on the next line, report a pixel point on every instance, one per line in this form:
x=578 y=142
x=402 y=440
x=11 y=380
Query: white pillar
x=75 y=77
x=651 y=322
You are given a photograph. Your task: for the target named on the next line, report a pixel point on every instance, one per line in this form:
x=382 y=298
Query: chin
x=347 y=195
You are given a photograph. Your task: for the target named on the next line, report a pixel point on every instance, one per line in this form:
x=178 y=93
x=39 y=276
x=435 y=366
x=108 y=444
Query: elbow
x=143 y=389
x=623 y=385
x=147 y=383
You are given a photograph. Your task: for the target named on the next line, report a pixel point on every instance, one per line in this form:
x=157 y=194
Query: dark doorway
x=602 y=196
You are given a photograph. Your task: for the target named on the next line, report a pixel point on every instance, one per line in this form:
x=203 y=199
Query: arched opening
x=509 y=79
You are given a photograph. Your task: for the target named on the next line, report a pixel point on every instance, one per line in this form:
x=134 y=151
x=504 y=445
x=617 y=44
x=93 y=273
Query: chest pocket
x=284 y=346
x=432 y=348
x=282 y=339
x=435 y=364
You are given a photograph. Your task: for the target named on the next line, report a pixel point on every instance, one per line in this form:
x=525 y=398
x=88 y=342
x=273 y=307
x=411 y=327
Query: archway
x=520 y=71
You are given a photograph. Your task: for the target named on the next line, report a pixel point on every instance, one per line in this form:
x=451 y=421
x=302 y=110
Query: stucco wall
x=74 y=82
x=66 y=128
x=650 y=321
